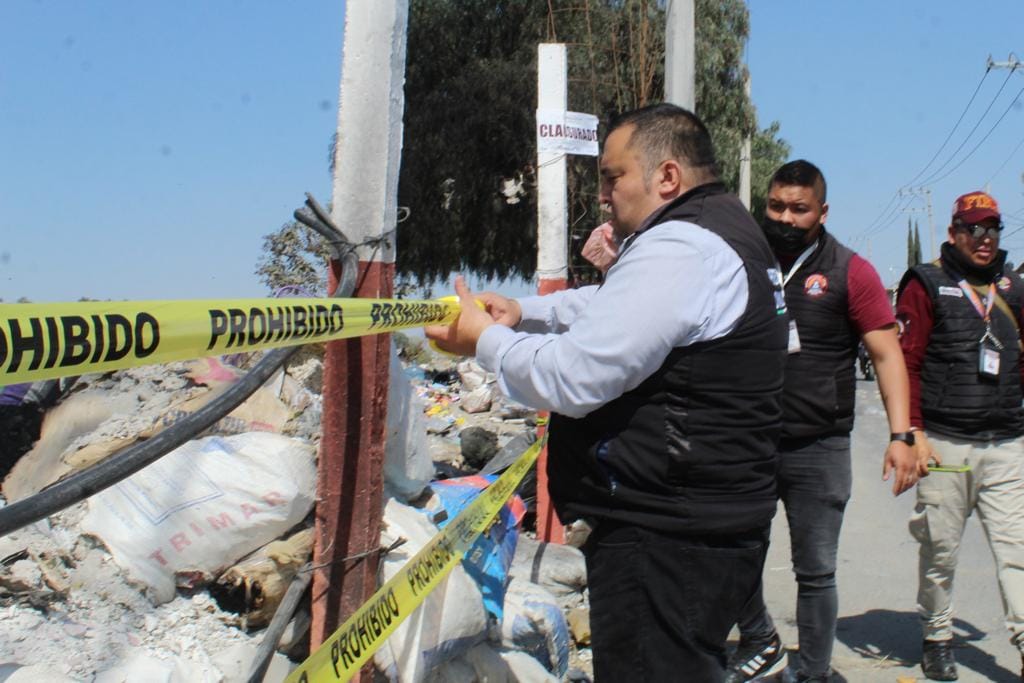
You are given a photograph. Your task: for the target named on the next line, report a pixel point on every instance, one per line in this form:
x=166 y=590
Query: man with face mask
x=961 y=318
x=835 y=299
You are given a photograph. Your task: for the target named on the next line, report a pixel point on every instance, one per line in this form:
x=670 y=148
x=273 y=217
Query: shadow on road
x=896 y=636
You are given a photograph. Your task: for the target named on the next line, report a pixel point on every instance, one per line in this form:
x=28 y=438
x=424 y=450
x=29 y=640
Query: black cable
x=975 y=149
x=931 y=179
x=887 y=221
x=955 y=126
x=1003 y=165
x=131 y=459
x=864 y=232
x=882 y=213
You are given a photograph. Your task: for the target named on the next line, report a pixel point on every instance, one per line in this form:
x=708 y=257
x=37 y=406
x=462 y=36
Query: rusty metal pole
x=364 y=206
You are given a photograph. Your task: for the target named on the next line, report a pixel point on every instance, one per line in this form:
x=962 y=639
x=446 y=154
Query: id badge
x=794 y=338
x=988 y=361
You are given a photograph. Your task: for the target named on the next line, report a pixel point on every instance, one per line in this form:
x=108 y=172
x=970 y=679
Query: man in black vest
x=835 y=299
x=961 y=319
x=664 y=383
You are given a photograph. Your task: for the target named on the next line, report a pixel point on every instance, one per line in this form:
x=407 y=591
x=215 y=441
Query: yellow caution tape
x=43 y=341
x=451 y=299
x=342 y=655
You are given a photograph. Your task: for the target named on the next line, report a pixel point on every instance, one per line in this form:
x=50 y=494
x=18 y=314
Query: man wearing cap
x=961 y=321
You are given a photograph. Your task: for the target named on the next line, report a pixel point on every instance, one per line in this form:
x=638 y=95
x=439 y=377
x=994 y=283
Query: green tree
x=910 y=245
x=294 y=256
x=467 y=171
x=917 y=245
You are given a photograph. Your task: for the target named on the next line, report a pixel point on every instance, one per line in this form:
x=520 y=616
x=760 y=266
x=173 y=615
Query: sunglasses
x=979 y=231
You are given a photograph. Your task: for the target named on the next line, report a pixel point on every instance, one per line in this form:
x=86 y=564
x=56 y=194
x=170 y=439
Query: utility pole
x=926 y=194
x=1012 y=63
x=680 y=67
x=364 y=206
x=552 y=237
x=552 y=175
x=745 y=155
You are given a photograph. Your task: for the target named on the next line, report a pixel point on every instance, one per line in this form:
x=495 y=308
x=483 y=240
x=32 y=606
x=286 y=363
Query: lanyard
x=799 y=262
x=984 y=310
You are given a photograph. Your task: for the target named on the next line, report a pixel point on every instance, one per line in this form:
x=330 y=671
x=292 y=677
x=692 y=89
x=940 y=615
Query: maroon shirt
x=870 y=308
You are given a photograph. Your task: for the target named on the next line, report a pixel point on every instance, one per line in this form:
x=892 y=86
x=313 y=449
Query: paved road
x=878 y=636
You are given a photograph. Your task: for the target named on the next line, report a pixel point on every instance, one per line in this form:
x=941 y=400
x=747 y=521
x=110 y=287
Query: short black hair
x=801 y=173
x=667 y=131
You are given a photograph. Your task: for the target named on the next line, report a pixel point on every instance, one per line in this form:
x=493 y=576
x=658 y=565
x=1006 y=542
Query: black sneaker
x=754 y=659
x=937 y=661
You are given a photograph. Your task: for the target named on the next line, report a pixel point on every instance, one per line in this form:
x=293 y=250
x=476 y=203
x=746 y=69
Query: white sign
x=566 y=132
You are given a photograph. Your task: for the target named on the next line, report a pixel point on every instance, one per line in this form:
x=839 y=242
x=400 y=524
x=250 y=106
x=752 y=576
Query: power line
x=955 y=126
x=896 y=195
x=1003 y=165
x=908 y=199
x=930 y=179
x=980 y=142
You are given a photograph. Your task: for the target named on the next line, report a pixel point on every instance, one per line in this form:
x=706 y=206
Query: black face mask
x=783 y=238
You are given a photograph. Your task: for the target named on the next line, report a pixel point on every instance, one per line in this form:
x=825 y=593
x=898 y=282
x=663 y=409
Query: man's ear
x=670 y=179
x=950 y=234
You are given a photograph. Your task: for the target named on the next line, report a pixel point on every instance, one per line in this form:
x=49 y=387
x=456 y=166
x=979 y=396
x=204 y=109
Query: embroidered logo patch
x=951 y=291
x=1004 y=283
x=816 y=285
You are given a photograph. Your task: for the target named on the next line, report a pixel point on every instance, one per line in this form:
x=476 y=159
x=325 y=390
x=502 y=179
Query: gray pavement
x=878 y=637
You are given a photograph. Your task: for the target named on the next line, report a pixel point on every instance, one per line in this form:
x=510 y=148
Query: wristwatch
x=905 y=437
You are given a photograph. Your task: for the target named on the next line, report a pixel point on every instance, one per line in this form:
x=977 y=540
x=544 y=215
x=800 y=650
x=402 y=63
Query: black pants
x=662 y=605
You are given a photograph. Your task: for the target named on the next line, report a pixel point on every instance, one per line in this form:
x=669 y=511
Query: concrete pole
x=680 y=69
x=552 y=177
x=745 y=156
x=364 y=206
x=552 y=238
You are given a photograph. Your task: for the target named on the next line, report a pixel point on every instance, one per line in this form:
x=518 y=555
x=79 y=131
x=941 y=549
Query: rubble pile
x=72 y=608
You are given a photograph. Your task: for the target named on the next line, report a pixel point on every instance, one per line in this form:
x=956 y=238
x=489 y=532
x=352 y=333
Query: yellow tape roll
x=43 y=341
x=341 y=655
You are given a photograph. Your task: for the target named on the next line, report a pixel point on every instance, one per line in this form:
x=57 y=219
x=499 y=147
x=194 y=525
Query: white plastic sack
x=202 y=507
x=482 y=664
x=561 y=569
x=534 y=623
x=408 y=467
x=525 y=669
x=451 y=618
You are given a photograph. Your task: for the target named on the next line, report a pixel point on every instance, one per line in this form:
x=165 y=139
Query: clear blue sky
x=147 y=147
x=869 y=90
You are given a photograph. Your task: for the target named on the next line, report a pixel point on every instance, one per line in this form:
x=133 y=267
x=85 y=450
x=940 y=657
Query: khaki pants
x=995 y=488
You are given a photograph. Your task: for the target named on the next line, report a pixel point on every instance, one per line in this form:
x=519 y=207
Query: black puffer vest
x=692 y=449
x=955 y=399
x=820 y=381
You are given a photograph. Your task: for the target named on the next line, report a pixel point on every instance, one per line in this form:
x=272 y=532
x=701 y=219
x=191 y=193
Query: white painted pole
x=745 y=157
x=680 y=69
x=369 y=150
x=364 y=206
x=552 y=201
